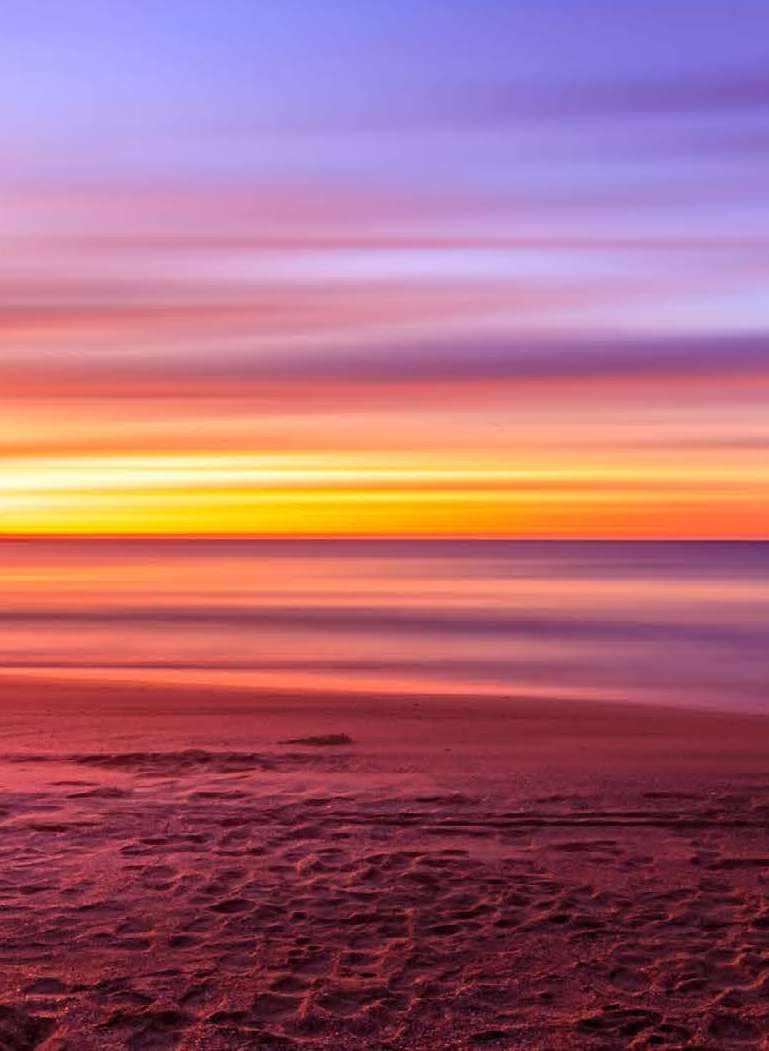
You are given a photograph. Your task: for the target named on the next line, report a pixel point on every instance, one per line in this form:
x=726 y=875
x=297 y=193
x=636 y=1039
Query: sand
x=200 y=869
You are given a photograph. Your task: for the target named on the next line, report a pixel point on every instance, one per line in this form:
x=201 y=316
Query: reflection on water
x=676 y=622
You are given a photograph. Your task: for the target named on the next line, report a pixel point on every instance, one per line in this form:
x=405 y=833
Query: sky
x=353 y=268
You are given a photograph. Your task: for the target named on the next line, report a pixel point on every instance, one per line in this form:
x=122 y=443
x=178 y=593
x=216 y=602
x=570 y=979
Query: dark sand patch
x=321 y=741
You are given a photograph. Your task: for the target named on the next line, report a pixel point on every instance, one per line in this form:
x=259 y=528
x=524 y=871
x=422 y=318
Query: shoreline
x=487 y=724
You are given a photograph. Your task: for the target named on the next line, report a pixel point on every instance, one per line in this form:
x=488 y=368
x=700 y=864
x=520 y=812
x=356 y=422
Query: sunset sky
x=457 y=268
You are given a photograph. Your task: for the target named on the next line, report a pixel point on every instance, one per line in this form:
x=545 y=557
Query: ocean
x=670 y=622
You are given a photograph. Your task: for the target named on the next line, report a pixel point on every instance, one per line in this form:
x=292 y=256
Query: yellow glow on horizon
x=351 y=512
x=371 y=493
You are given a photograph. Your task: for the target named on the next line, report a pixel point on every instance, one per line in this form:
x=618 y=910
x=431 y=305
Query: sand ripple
x=179 y=900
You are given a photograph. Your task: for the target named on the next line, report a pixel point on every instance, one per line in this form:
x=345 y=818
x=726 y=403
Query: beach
x=199 y=868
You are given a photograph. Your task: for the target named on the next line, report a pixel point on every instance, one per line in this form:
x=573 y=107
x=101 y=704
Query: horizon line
x=378 y=537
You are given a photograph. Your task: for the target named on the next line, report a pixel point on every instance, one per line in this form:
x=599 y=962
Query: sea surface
x=680 y=623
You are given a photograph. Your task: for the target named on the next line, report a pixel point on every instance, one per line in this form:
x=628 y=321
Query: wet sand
x=199 y=869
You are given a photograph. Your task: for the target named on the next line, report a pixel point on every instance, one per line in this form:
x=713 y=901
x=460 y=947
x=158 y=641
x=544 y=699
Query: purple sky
x=473 y=220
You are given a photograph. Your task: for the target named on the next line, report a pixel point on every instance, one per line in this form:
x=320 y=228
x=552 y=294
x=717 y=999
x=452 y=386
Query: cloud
x=720 y=92
x=518 y=360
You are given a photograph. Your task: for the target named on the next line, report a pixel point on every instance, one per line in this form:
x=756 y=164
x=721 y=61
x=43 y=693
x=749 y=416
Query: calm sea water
x=686 y=623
